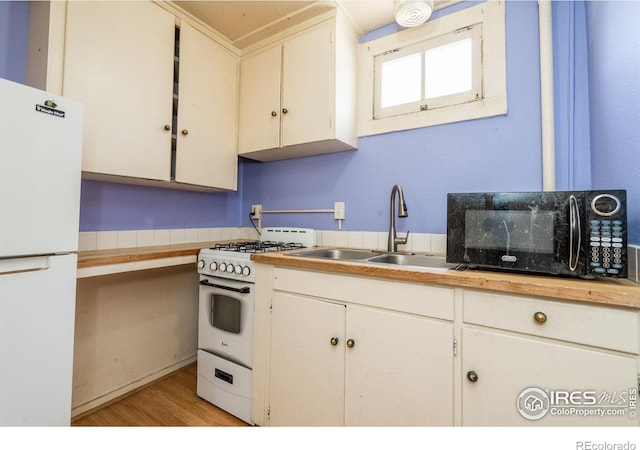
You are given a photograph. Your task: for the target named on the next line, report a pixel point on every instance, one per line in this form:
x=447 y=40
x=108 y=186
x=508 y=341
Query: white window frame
x=489 y=96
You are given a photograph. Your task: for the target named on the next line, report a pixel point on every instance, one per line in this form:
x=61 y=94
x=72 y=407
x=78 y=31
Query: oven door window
x=226 y=313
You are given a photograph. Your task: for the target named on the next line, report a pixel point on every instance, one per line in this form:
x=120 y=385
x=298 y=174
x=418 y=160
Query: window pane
x=401 y=79
x=448 y=69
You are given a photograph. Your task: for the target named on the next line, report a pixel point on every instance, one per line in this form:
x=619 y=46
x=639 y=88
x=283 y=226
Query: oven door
x=225 y=319
x=524 y=231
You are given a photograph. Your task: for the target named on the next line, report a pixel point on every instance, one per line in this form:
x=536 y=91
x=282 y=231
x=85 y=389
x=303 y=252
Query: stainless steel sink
x=346 y=254
x=401 y=259
x=361 y=255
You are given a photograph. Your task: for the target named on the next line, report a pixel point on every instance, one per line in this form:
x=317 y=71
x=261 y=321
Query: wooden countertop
x=106 y=262
x=124 y=255
x=620 y=292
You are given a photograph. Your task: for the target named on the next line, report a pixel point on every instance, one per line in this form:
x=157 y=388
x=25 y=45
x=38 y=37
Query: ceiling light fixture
x=411 y=13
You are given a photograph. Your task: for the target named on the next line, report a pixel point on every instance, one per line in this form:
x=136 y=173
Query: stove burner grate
x=257 y=246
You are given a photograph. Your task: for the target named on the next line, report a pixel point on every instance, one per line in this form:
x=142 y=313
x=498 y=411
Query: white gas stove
x=225 y=317
x=232 y=260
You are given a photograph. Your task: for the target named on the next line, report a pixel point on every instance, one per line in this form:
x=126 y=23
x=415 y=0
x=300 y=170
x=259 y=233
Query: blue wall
x=500 y=153
x=614 y=100
x=13 y=40
x=597 y=66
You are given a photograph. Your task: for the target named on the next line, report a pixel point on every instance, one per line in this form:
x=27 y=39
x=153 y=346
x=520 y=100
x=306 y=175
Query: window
x=438 y=72
x=448 y=70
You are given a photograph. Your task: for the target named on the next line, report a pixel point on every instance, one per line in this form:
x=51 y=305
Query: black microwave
x=575 y=233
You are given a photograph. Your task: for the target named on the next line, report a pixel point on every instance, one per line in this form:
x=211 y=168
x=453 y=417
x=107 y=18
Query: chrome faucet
x=394 y=240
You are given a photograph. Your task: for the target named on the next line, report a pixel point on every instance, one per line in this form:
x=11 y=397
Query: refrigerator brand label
x=49 y=107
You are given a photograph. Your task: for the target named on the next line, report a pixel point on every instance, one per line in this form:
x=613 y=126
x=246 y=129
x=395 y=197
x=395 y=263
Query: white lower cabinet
x=525 y=362
x=399 y=371
x=336 y=350
x=307 y=371
x=334 y=362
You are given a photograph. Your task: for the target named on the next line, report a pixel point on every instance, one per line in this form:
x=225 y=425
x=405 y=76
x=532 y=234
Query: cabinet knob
x=334 y=341
x=540 y=317
x=167 y=127
x=184 y=132
x=285 y=110
x=472 y=376
x=273 y=113
x=350 y=343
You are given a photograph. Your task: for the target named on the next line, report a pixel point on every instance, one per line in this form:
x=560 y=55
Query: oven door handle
x=242 y=290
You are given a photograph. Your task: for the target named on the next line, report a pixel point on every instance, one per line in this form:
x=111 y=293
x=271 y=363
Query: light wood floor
x=172 y=401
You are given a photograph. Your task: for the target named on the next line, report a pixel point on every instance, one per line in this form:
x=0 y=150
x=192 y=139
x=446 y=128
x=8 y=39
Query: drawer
x=600 y=326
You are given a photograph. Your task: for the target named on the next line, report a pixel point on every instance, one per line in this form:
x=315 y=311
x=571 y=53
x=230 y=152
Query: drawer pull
x=350 y=343
x=334 y=341
x=540 y=317
x=472 y=376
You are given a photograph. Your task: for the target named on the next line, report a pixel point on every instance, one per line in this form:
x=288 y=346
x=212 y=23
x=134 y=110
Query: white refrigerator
x=40 y=171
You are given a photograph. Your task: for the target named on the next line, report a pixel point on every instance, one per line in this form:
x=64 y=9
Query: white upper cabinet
x=119 y=63
x=297 y=96
x=207 y=127
x=158 y=110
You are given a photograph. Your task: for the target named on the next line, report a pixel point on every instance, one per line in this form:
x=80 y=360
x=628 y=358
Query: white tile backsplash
x=162 y=237
x=106 y=240
x=191 y=235
x=420 y=242
x=372 y=240
x=382 y=240
x=145 y=238
x=127 y=239
x=341 y=238
x=439 y=244
x=87 y=241
x=355 y=239
x=327 y=238
x=176 y=236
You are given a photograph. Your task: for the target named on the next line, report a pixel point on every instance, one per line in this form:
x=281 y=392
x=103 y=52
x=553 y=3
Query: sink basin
x=372 y=256
x=347 y=254
x=436 y=262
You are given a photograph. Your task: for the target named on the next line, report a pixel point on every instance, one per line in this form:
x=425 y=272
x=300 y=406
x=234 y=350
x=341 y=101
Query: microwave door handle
x=242 y=290
x=575 y=233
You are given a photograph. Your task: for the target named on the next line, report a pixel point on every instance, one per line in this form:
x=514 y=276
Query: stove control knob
x=230 y=268
x=201 y=264
x=238 y=269
x=213 y=266
x=222 y=267
x=246 y=271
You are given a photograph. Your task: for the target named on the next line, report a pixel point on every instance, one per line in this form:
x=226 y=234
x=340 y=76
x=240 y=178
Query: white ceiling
x=245 y=22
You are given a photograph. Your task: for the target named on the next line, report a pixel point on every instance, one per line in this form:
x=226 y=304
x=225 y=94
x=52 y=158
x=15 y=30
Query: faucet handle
x=403 y=240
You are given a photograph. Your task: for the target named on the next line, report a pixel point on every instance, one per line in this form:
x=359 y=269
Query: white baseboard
x=122 y=391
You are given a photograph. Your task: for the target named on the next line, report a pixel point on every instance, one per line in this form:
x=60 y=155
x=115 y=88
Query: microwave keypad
x=606 y=244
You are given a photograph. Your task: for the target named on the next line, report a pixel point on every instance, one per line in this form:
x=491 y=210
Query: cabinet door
x=307 y=369
x=507 y=365
x=259 y=118
x=308 y=88
x=399 y=371
x=119 y=63
x=207 y=111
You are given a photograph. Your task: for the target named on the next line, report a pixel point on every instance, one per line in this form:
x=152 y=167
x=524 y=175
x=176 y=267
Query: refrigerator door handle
x=19 y=265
